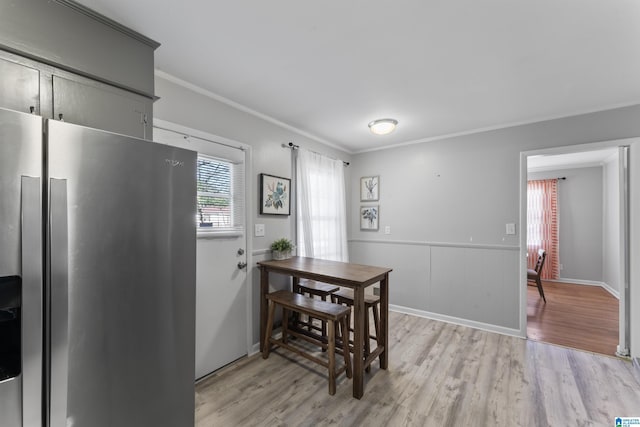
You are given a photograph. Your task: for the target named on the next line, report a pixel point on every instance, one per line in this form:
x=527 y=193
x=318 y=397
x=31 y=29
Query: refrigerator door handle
x=59 y=287
x=31 y=232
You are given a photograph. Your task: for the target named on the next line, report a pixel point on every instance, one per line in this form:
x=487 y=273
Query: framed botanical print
x=369 y=188
x=275 y=195
x=369 y=217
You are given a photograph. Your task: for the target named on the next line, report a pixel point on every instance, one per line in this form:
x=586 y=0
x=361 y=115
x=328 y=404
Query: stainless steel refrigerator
x=97 y=277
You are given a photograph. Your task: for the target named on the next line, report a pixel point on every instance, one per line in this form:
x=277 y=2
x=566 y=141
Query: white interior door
x=221 y=272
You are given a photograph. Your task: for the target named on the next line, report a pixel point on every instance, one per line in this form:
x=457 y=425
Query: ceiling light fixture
x=383 y=126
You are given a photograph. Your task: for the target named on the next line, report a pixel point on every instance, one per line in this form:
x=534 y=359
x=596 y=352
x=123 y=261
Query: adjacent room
x=331 y=213
x=573 y=215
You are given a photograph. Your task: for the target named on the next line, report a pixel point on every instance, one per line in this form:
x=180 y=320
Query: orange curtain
x=542 y=225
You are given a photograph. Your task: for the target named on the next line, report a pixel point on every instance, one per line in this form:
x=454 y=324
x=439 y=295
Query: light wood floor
x=439 y=375
x=577 y=316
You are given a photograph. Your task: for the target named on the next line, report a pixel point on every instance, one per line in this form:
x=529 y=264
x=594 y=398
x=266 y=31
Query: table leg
x=264 y=290
x=384 y=321
x=358 y=342
x=295 y=288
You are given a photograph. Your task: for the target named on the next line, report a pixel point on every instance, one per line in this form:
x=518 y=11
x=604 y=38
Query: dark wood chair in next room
x=534 y=275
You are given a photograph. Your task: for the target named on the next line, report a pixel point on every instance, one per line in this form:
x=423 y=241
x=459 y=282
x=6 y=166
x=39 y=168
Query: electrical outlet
x=259 y=232
x=511 y=228
x=560 y=267
x=387 y=229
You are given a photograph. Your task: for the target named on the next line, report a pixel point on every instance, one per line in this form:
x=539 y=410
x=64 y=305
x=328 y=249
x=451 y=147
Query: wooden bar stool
x=345 y=296
x=333 y=314
x=319 y=289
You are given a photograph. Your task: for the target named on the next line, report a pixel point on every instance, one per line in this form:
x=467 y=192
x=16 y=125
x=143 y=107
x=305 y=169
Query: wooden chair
x=345 y=296
x=321 y=290
x=534 y=275
x=332 y=314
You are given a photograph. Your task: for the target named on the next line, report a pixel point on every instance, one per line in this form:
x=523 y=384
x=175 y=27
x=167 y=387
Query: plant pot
x=280 y=255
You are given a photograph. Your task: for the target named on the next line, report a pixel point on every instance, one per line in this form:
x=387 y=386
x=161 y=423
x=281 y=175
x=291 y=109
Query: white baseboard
x=457 y=321
x=610 y=290
x=589 y=283
x=255 y=348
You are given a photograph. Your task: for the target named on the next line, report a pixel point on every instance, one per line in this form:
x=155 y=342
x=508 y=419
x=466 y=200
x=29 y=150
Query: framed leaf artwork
x=275 y=195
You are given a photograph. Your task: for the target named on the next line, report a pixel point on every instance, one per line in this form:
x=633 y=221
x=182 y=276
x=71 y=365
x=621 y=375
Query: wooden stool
x=333 y=314
x=345 y=296
x=322 y=290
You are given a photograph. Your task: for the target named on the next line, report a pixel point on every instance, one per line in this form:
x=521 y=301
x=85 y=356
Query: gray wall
x=460 y=192
x=195 y=110
x=611 y=227
x=580 y=221
x=446 y=203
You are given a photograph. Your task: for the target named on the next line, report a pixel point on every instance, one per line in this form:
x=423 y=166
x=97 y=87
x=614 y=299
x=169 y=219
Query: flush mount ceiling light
x=383 y=126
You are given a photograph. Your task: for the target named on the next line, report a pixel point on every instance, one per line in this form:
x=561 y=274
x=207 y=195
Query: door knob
x=241 y=265
x=240 y=251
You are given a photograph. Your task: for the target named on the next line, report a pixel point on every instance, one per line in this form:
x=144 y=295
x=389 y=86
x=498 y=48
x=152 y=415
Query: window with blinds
x=220 y=195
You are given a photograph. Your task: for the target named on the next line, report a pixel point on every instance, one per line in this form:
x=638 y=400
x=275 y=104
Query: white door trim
x=249 y=205
x=624 y=196
x=634 y=223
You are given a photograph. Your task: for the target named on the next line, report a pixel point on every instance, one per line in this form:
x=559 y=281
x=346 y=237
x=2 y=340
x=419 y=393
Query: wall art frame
x=369 y=217
x=370 y=188
x=275 y=195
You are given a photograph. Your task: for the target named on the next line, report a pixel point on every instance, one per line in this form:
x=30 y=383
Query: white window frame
x=233 y=229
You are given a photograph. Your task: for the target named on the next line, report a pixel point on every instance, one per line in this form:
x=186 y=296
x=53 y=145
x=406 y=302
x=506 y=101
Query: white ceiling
x=440 y=67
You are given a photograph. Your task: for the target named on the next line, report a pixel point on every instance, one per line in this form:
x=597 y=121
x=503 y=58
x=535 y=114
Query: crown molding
x=195 y=88
x=108 y=22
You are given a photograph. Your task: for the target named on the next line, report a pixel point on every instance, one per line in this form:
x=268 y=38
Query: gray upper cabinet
x=102 y=107
x=65 y=60
x=19 y=87
x=65 y=34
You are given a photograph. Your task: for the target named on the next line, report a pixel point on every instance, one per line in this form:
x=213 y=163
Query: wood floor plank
x=576 y=316
x=441 y=375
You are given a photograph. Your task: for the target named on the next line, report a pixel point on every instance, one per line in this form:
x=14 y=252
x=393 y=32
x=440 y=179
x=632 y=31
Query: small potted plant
x=282 y=248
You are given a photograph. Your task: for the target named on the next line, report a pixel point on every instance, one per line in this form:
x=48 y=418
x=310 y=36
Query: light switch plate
x=511 y=228
x=259 y=232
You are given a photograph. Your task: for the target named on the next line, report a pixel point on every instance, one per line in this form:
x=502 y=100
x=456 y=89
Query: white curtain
x=321 y=207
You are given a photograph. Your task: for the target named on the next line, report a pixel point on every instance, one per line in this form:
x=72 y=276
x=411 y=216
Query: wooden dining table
x=354 y=276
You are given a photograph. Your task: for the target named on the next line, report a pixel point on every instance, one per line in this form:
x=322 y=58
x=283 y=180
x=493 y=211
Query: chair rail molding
x=438 y=244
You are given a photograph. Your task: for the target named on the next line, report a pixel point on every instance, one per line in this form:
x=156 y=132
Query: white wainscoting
x=470 y=284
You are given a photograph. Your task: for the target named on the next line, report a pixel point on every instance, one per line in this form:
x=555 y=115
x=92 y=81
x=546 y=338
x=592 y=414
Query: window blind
x=220 y=195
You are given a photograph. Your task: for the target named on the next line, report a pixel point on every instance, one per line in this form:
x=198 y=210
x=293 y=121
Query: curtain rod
x=293 y=146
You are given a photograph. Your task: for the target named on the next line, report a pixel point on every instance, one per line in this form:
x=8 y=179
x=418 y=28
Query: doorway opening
x=575 y=209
